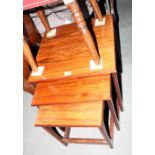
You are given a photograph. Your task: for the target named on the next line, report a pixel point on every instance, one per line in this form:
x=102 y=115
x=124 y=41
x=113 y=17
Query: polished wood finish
x=71 y=115
x=113 y=113
x=96 y=9
x=73 y=90
x=108 y=139
x=81 y=24
x=56 y=115
x=106 y=136
x=96 y=88
x=43 y=19
x=77 y=102
x=30 y=30
x=111 y=129
x=118 y=92
x=66 y=134
x=29 y=57
x=84 y=140
x=63 y=53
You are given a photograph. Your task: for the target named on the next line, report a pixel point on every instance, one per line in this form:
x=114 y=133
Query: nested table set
x=75 y=74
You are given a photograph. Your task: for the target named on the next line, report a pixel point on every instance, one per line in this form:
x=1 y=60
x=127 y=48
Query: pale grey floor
x=38 y=142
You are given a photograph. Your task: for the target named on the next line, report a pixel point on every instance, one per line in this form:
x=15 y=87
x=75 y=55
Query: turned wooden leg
x=117 y=88
x=96 y=9
x=113 y=112
x=43 y=19
x=29 y=57
x=81 y=24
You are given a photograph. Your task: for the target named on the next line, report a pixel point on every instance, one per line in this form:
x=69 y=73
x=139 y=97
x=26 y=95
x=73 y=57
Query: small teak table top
x=66 y=55
x=94 y=88
x=72 y=115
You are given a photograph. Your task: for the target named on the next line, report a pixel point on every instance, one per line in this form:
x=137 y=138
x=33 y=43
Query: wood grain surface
x=68 y=52
x=72 y=115
x=87 y=89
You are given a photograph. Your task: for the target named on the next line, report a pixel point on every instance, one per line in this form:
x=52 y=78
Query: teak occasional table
x=74 y=71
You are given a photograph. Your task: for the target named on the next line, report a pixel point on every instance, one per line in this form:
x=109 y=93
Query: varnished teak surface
x=68 y=52
x=86 y=89
x=80 y=114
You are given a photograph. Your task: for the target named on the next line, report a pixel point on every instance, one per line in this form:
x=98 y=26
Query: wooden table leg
x=29 y=56
x=62 y=129
x=67 y=133
x=106 y=136
x=81 y=24
x=96 y=9
x=43 y=19
x=113 y=112
x=112 y=6
x=117 y=88
x=54 y=134
x=108 y=7
x=111 y=127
